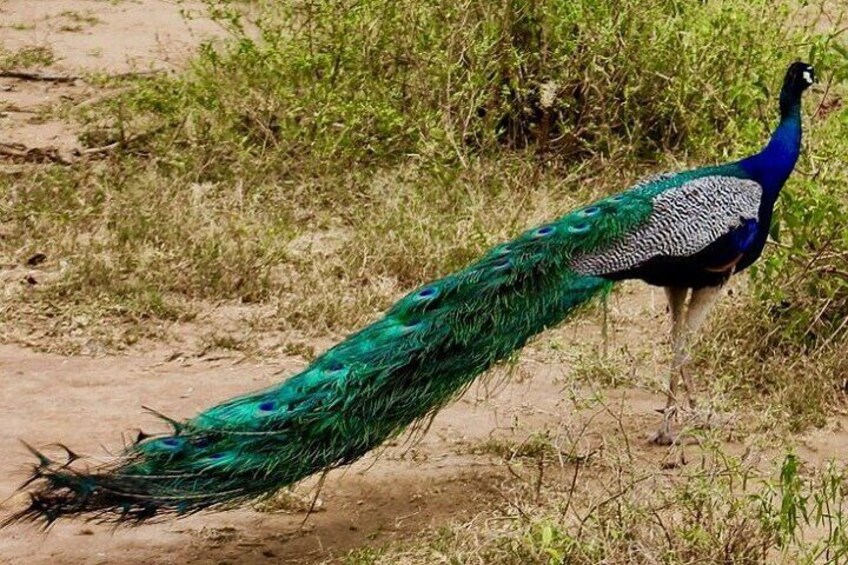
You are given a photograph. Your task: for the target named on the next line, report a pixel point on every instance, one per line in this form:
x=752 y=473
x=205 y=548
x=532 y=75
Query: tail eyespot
x=543 y=232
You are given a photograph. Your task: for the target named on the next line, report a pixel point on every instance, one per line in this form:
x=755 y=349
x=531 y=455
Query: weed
x=74 y=21
x=26 y=57
x=215 y=340
x=600 y=370
x=720 y=511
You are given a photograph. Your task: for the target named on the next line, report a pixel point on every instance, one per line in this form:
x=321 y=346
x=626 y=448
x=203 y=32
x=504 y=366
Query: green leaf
x=774 y=230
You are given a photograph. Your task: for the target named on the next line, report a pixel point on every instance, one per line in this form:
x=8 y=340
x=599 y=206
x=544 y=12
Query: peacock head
x=799 y=77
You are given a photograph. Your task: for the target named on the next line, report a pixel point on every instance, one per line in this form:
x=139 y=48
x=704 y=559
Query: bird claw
x=662 y=437
x=707 y=420
x=704 y=419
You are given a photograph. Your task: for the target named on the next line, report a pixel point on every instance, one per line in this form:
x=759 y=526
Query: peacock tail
x=425 y=350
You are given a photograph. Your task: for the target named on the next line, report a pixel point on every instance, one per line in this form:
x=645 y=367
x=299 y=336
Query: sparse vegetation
x=21 y=27
x=26 y=58
x=720 y=511
x=74 y=21
x=421 y=152
x=329 y=156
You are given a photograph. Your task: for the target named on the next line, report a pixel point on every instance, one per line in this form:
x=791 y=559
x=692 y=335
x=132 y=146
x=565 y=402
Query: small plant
x=26 y=58
x=74 y=21
x=215 y=340
x=596 y=369
x=721 y=511
x=535 y=447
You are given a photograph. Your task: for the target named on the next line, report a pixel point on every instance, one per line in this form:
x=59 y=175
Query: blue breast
x=771 y=168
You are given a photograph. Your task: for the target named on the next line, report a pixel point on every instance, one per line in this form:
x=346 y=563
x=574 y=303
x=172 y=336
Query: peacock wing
x=684 y=220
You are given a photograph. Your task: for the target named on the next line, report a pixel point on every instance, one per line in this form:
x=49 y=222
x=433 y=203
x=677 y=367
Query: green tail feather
x=423 y=353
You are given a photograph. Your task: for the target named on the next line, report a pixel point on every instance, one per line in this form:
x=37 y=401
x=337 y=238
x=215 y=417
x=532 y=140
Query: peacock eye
x=590 y=211
x=427 y=293
x=582 y=227
x=202 y=442
x=411 y=324
x=267 y=406
x=544 y=231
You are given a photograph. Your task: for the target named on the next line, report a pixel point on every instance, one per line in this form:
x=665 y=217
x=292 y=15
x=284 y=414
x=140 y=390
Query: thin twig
x=318 y=488
x=97 y=150
x=571 y=489
x=32 y=154
x=831 y=270
x=24 y=75
x=41 y=77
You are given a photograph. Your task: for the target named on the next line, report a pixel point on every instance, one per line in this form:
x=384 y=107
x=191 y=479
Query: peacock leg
x=677 y=307
x=684 y=330
x=700 y=305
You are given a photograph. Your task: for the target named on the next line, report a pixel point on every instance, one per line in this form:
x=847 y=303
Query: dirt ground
x=387 y=496
x=87 y=36
x=88 y=402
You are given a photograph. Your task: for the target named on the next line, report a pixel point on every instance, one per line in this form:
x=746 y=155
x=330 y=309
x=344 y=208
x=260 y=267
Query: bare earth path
x=87 y=402
x=82 y=37
x=84 y=401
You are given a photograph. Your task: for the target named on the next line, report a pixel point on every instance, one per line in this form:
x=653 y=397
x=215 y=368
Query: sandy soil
x=102 y=397
x=85 y=401
x=88 y=402
x=85 y=37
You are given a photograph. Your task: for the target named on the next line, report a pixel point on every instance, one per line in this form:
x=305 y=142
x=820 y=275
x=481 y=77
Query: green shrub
x=383 y=81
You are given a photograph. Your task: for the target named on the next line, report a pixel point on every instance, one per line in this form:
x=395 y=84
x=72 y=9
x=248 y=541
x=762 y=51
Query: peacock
x=688 y=232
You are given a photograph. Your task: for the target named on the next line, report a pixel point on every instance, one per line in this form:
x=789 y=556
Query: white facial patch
x=807 y=77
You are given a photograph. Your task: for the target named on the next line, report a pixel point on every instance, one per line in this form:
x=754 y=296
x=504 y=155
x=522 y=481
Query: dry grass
x=566 y=503
x=34 y=56
x=590 y=491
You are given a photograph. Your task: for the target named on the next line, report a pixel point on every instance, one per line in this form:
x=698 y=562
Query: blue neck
x=773 y=165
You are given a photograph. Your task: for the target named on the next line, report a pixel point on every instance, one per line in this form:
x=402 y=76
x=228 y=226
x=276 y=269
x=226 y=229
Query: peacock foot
x=706 y=419
x=664 y=436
